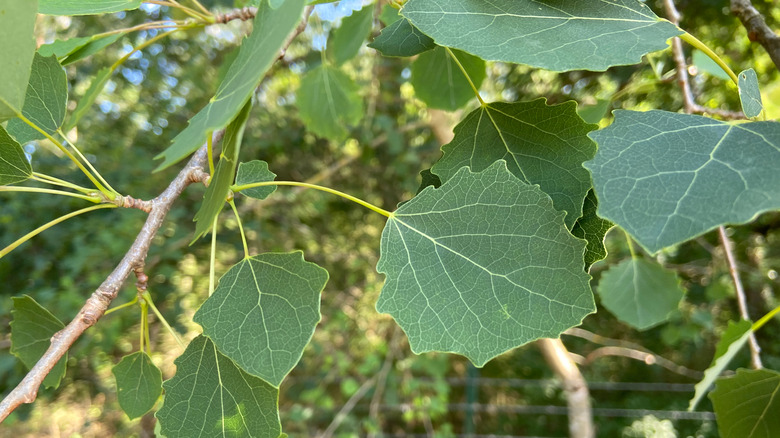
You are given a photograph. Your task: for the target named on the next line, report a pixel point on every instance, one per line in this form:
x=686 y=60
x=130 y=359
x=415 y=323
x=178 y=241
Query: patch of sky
x=330 y=15
x=150 y=8
x=134 y=76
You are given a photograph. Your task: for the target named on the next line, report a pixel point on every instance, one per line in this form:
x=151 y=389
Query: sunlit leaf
x=707 y=65
x=559 y=35
x=138 y=384
x=31 y=331
x=94 y=45
x=348 y=38
x=219 y=183
x=594 y=113
x=85 y=7
x=45 y=104
x=14 y=166
x=639 y=292
x=746 y=405
x=481 y=265
x=749 y=93
x=592 y=228
x=732 y=340
x=666 y=177
x=254 y=58
x=440 y=83
x=541 y=144
x=402 y=39
x=17 y=20
x=329 y=102
x=255 y=171
x=264 y=311
x=210 y=396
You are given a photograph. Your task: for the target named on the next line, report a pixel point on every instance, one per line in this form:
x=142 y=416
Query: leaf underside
x=640 y=293
x=138 y=383
x=667 y=178
x=46 y=101
x=264 y=311
x=211 y=396
x=255 y=171
x=329 y=102
x=749 y=93
x=558 y=35
x=402 y=39
x=31 y=331
x=482 y=265
x=85 y=7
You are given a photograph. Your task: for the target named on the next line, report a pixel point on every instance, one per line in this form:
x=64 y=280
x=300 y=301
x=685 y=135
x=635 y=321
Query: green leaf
x=329 y=102
x=348 y=38
x=749 y=94
x=440 y=83
x=541 y=144
x=275 y=3
x=94 y=45
x=389 y=15
x=402 y=39
x=747 y=404
x=594 y=113
x=255 y=171
x=31 y=331
x=210 y=396
x=85 y=103
x=481 y=265
x=255 y=57
x=17 y=20
x=666 y=177
x=733 y=339
x=85 y=7
x=62 y=48
x=46 y=101
x=219 y=183
x=592 y=228
x=14 y=167
x=559 y=36
x=264 y=311
x=707 y=65
x=138 y=384
x=640 y=293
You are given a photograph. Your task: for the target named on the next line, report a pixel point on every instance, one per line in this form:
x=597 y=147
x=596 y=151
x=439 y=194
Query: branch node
x=243 y=14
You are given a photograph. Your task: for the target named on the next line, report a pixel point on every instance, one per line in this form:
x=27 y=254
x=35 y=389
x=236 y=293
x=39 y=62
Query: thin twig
x=347 y=408
x=757 y=28
x=690 y=107
x=648 y=358
x=689 y=101
x=27 y=390
x=755 y=349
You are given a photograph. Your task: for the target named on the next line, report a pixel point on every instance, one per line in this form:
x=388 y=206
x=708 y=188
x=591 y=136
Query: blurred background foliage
x=358 y=376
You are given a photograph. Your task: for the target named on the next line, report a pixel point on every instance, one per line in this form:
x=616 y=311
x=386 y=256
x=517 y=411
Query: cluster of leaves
x=494 y=250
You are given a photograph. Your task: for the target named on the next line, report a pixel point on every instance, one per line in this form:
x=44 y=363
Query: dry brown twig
x=133 y=261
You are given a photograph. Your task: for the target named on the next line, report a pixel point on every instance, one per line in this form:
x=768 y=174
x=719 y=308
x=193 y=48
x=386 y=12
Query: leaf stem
x=174 y=4
x=46 y=226
x=468 y=78
x=95 y=199
x=47 y=179
x=122 y=306
x=213 y=258
x=240 y=228
x=368 y=205
x=144 y=324
x=110 y=194
x=631 y=248
x=764 y=319
x=84 y=159
x=210 y=151
x=148 y=298
x=692 y=40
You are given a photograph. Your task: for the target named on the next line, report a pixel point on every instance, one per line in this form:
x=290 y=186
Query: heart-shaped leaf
x=45 y=104
x=31 y=331
x=210 y=396
x=329 y=102
x=666 y=177
x=481 y=265
x=556 y=35
x=264 y=311
x=439 y=82
x=138 y=383
x=255 y=171
x=402 y=39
